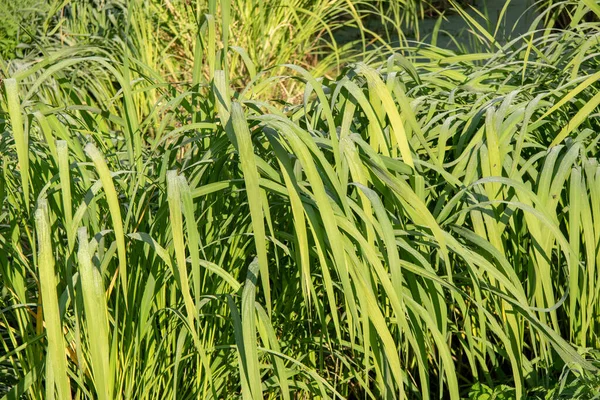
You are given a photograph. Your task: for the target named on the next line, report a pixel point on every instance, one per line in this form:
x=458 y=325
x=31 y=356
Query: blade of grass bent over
x=114 y=208
x=20 y=136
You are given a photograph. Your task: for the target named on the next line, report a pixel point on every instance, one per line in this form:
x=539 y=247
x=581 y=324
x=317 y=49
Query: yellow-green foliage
x=426 y=226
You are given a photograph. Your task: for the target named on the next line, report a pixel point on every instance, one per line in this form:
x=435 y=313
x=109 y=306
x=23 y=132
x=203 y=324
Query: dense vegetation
x=177 y=220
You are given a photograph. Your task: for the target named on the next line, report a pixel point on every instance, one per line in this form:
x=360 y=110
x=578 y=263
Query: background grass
x=422 y=225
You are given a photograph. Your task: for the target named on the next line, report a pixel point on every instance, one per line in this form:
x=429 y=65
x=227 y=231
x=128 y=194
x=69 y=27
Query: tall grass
x=163 y=36
x=426 y=226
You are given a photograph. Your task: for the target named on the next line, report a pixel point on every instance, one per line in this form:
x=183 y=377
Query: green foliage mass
x=424 y=224
x=21 y=21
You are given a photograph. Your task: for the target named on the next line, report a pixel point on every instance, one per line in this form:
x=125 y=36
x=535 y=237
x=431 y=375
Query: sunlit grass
x=424 y=226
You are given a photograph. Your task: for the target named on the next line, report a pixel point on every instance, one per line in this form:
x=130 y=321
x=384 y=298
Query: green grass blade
x=48 y=285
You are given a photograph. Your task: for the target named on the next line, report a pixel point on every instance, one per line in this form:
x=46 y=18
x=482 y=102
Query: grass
x=241 y=37
x=419 y=227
